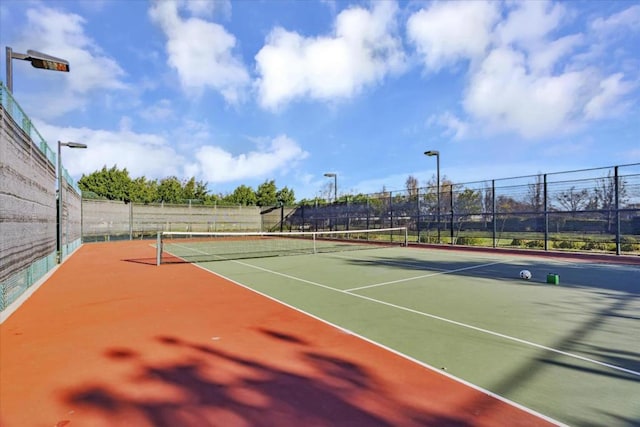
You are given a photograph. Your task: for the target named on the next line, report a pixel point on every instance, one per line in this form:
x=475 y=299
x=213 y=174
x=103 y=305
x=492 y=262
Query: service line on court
x=444 y=319
x=392 y=282
x=433 y=316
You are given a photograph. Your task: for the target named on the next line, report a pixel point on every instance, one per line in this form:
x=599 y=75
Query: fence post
x=391 y=209
x=418 y=213
x=493 y=212
x=159 y=248
x=282 y=217
x=368 y=213
x=546 y=212
x=451 y=207
x=130 y=220
x=617 y=205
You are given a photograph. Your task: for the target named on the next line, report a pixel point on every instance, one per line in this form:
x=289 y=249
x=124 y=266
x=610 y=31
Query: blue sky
x=242 y=92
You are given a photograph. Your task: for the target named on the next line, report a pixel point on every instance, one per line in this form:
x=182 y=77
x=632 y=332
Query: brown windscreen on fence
x=27 y=210
x=104 y=220
x=71 y=230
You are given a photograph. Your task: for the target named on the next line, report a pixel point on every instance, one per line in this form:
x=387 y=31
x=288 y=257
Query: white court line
x=384 y=347
x=443 y=319
x=425 y=275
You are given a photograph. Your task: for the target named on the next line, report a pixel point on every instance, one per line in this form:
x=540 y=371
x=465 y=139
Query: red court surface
x=111 y=340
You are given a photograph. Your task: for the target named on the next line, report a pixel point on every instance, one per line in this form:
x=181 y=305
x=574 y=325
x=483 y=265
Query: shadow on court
x=608 y=295
x=212 y=387
x=622 y=278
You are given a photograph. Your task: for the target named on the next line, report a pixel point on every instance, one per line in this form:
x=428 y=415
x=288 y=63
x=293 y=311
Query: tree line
x=116 y=184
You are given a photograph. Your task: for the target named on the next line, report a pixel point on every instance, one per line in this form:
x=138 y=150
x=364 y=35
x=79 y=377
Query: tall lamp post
x=37 y=59
x=335 y=184
x=436 y=153
x=60 y=187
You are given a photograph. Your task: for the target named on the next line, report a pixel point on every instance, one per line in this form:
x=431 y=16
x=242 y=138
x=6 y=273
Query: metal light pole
x=37 y=59
x=60 y=187
x=335 y=184
x=436 y=153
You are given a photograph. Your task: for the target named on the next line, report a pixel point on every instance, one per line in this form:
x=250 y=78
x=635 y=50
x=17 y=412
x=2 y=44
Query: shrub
x=629 y=244
x=425 y=238
x=566 y=244
x=535 y=244
x=517 y=242
x=469 y=241
x=591 y=245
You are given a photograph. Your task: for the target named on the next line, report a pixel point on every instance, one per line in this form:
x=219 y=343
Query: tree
x=604 y=197
x=143 y=191
x=286 y=196
x=170 y=190
x=113 y=183
x=242 y=195
x=468 y=202
x=326 y=192
x=194 y=190
x=266 y=194
x=487 y=201
x=411 y=185
x=573 y=200
x=535 y=196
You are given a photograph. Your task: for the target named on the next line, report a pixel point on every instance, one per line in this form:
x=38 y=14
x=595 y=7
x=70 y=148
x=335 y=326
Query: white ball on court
x=525 y=274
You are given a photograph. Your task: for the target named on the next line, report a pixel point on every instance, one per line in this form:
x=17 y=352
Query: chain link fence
x=585 y=210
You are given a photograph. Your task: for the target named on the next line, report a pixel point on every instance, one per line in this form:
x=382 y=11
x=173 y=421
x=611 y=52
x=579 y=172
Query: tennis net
x=175 y=247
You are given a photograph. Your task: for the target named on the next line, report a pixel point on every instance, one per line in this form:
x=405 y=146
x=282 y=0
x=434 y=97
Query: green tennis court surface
x=569 y=351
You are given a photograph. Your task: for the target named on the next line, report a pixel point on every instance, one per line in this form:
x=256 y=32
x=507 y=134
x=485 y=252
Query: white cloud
x=141 y=154
x=544 y=58
x=216 y=165
x=361 y=52
x=505 y=96
x=606 y=101
x=626 y=19
x=523 y=78
x=63 y=35
x=530 y=22
x=161 y=110
x=448 y=32
x=153 y=156
x=200 y=51
x=455 y=128
x=207 y=8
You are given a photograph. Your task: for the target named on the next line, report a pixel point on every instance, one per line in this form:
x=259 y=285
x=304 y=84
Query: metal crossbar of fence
x=590 y=209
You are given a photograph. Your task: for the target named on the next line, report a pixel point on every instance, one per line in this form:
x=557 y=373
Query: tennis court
x=570 y=351
x=382 y=336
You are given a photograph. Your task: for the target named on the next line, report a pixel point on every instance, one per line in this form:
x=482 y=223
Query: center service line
x=444 y=319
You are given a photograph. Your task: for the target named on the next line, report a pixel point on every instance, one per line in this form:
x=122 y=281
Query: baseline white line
x=443 y=319
x=425 y=275
x=384 y=347
x=453 y=322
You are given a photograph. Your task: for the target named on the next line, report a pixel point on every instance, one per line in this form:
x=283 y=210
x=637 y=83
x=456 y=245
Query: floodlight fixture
x=37 y=59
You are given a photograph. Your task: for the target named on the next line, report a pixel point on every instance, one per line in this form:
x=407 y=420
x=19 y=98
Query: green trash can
x=553 y=279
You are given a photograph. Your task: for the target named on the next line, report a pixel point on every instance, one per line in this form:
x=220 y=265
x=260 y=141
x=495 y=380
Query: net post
x=159 y=249
x=406 y=237
x=314 y=242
